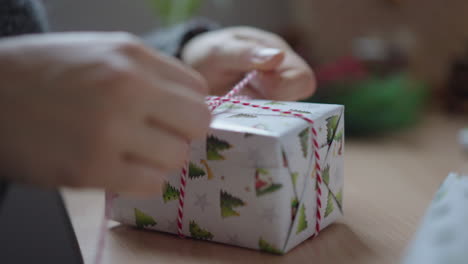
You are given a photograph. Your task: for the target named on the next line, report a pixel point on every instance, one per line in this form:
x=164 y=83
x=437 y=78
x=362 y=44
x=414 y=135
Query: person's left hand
x=224 y=56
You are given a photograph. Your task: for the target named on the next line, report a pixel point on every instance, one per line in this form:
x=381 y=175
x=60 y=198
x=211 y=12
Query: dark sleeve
x=3 y=190
x=172 y=40
x=21 y=17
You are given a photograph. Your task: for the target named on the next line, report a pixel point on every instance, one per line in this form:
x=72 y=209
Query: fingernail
x=264 y=55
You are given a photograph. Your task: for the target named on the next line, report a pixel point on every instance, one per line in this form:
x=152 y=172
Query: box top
x=240 y=118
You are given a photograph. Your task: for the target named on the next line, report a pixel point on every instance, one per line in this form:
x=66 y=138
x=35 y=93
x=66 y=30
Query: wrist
x=172 y=41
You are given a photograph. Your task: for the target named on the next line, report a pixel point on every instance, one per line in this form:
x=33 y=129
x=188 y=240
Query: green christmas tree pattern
x=332 y=124
x=294 y=177
x=170 y=193
x=143 y=220
x=300 y=111
x=326 y=174
x=339 y=138
x=304 y=139
x=264 y=184
x=267 y=247
x=294 y=206
x=339 y=198
x=302 y=225
x=229 y=106
x=330 y=206
x=228 y=202
x=214 y=146
x=243 y=116
x=199 y=233
x=275 y=103
x=195 y=171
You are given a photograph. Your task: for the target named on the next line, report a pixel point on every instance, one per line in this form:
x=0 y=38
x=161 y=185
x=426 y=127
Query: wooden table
x=389 y=183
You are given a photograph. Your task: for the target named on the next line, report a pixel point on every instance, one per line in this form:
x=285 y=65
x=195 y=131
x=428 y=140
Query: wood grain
x=389 y=182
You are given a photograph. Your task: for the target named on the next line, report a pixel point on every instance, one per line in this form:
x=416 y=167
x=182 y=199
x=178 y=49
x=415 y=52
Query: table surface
x=389 y=183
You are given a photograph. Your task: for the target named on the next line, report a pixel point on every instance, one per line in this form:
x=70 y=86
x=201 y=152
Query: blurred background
x=388 y=61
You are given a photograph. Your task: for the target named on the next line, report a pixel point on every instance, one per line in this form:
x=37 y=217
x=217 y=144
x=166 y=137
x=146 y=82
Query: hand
x=223 y=57
x=96 y=110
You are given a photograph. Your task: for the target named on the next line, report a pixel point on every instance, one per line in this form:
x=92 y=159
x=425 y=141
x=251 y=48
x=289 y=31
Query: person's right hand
x=95 y=110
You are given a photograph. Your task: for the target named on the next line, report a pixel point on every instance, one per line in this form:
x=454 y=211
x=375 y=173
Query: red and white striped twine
x=215 y=102
x=180 y=214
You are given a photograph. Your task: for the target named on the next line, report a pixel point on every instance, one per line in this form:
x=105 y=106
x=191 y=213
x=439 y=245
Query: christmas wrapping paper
x=443 y=235
x=252 y=182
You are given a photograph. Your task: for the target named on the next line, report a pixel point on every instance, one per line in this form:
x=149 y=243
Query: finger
x=175 y=109
x=293 y=80
x=251 y=92
x=157 y=64
x=244 y=56
x=157 y=147
x=261 y=37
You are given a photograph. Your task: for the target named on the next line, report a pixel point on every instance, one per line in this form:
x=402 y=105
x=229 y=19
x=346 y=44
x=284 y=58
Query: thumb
x=244 y=57
x=266 y=59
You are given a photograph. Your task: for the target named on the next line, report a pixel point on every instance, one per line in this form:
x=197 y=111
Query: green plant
x=171 y=12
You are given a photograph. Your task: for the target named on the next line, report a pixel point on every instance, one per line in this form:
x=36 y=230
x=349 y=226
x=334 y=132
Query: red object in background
x=345 y=68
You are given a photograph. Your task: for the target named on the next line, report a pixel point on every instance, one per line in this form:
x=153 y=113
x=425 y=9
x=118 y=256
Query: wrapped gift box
x=443 y=234
x=253 y=181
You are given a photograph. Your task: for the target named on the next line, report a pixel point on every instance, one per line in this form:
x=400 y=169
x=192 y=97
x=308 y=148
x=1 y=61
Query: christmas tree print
x=208 y=169
x=213 y=146
x=275 y=103
x=294 y=206
x=170 y=193
x=300 y=111
x=143 y=220
x=267 y=247
x=264 y=183
x=339 y=135
x=229 y=106
x=243 y=116
x=332 y=123
x=330 y=206
x=294 y=176
x=304 y=138
x=199 y=233
x=326 y=174
x=228 y=203
x=302 y=225
x=195 y=171
x=339 y=139
x=339 y=198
